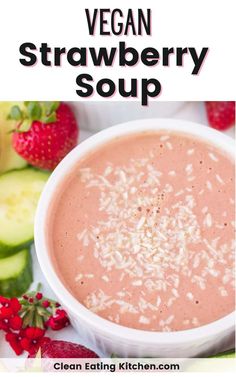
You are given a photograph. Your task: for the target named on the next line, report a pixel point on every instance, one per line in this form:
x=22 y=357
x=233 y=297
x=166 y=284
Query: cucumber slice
x=19 y=194
x=15 y=274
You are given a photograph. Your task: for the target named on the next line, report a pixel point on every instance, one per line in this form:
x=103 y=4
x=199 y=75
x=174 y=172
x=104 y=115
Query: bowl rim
x=75 y=308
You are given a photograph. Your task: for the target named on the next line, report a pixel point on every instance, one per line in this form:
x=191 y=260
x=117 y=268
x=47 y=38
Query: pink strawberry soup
x=141 y=232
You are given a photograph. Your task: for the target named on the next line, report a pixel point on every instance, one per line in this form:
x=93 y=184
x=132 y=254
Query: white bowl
x=101 y=333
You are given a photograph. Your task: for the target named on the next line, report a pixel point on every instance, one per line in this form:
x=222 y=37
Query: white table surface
x=93 y=116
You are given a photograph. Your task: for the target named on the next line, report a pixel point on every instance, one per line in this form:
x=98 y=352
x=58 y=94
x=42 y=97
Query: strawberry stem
x=44 y=112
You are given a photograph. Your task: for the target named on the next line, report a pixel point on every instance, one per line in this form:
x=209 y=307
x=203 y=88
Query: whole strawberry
x=221 y=115
x=56 y=349
x=45 y=132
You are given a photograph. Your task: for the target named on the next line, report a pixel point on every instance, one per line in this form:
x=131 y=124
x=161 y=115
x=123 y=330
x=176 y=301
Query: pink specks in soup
x=141 y=232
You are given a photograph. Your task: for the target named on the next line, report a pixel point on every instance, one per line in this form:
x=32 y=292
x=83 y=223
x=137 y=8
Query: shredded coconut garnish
x=189 y=296
x=219 y=179
x=164 y=137
x=212 y=156
x=144 y=320
x=190 y=152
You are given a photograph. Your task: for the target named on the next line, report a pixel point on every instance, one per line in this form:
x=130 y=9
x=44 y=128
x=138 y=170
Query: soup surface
x=141 y=232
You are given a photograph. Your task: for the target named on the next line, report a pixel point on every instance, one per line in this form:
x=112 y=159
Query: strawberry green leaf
x=44 y=112
x=25 y=126
x=49 y=119
x=54 y=106
x=34 y=110
x=50 y=107
x=15 y=113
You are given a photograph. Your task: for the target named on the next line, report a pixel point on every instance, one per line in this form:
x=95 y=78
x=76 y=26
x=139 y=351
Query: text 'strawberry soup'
x=141 y=231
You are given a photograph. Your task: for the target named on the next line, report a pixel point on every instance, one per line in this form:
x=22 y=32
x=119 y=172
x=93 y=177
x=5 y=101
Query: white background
x=181 y=23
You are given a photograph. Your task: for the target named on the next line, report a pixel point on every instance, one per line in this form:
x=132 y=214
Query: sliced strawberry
x=45 y=133
x=56 y=349
x=221 y=115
